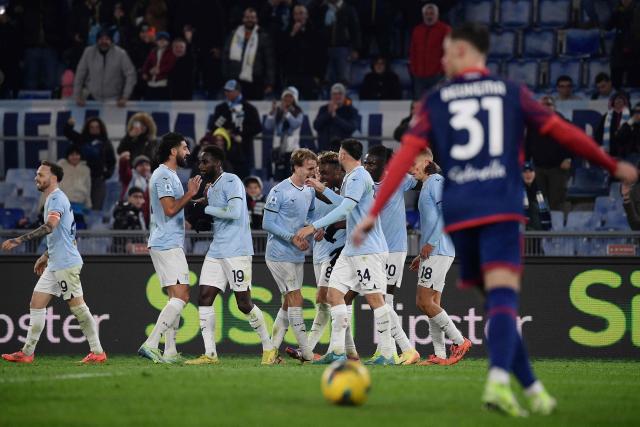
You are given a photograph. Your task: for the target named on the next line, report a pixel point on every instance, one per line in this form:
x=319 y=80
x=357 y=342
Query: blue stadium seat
x=570 y=67
x=515 y=13
x=504 y=45
x=524 y=71
x=616 y=220
x=605 y=204
x=581 y=221
x=6 y=188
x=401 y=68
x=582 y=42
x=9 y=217
x=557 y=220
x=28 y=205
x=413 y=220
x=588 y=182
x=94 y=245
x=607 y=39
x=559 y=246
x=20 y=175
x=495 y=67
x=596 y=66
x=602 y=9
x=539 y=44
x=614 y=190
x=359 y=69
x=34 y=94
x=479 y=11
x=554 y=13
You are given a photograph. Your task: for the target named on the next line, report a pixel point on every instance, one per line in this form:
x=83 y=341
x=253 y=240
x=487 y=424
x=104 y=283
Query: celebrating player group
x=352 y=216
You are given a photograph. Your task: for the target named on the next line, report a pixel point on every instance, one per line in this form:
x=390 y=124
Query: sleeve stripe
x=236 y=197
x=347 y=197
x=54 y=213
x=267 y=209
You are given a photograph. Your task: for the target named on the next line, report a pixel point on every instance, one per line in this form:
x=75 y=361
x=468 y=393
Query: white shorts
x=171 y=266
x=433 y=271
x=395 y=268
x=322 y=271
x=62 y=282
x=363 y=274
x=288 y=275
x=218 y=272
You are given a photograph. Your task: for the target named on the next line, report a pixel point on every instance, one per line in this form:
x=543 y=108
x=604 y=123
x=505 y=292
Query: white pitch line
x=57 y=377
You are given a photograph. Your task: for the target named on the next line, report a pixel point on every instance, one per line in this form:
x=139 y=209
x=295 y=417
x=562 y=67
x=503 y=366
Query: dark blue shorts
x=479 y=249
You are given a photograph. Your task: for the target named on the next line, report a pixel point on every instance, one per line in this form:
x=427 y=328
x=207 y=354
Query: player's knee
x=334 y=297
x=244 y=305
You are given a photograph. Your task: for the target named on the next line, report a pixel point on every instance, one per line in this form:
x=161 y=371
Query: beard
x=181 y=161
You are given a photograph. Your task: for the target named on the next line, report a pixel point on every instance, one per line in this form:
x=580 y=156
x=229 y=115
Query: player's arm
x=323 y=192
x=53 y=219
x=233 y=209
x=434 y=221
x=41 y=263
x=171 y=206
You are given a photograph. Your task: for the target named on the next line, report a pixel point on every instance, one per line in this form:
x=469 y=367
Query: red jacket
x=425 y=53
x=167 y=62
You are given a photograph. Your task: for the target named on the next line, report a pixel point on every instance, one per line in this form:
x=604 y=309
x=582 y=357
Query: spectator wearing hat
x=606 y=132
x=181 y=75
x=284 y=122
x=234 y=161
x=256 y=200
x=140 y=138
x=156 y=69
x=535 y=206
x=241 y=120
x=381 y=83
x=604 y=87
x=552 y=162
x=337 y=120
x=628 y=137
x=248 y=57
x=77 y=179
x=136 y=176
x=104 y=73
x=128 y=214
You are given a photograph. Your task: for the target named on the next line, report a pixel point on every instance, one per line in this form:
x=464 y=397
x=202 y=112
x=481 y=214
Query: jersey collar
x=483 y=71
x=297 y=188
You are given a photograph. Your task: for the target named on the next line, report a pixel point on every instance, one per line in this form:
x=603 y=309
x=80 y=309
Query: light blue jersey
x=61 y=242
x=358 y=186
x=323 y=249
x=431 y=219
x=165 y=232
x=287 y=210
x=394 y=216
x=231 y=237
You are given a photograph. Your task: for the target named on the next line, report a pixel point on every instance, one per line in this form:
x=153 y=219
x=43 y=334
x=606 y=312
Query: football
x=346 y=383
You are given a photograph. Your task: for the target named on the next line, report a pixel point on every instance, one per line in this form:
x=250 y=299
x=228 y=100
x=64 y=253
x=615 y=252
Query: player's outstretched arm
x=52 y=222
x=171 y=206
x=232 y=211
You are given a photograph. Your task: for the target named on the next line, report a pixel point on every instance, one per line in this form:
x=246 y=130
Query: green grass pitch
x=56 y=391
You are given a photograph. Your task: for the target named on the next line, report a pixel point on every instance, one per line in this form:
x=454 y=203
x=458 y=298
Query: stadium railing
x=536 y=244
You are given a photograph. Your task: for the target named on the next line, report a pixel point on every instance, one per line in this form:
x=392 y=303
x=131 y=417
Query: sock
x=170 y=339
x=207 y=317
x=339 y=322
x=502 y=334
x=498 y=375
x=383 y=325
x=299 y=329
x=349 y=344
x=280 y=327
x=397 y=333
x=256 y=320
x=388 y=299
x=165 y=321
x=88 y=326
x=437 y=337
x=534 y=388
x=521 y=366
x=323 y=315
x=445 y=323
x=36 y=326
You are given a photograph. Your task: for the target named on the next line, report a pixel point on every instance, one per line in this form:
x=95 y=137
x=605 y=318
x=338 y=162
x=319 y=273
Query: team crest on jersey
x=167 y=187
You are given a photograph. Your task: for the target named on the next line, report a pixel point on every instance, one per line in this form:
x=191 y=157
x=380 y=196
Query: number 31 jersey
x=475 y=125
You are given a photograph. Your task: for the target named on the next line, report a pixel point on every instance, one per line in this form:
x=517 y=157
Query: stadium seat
x=94 y=245
x=607 y=39
x=515 y=13
x=504 y=45
x=28 y=205
x=413 y=220
x=615 y=220
x=9 y=217
x=34 y=94
x=359 y=69
x=557 y=220
x=605 y=204
x=582 y=42
x=401 y=68
x=596 y=66
x=588 y=182
x=481 y=11
x=495 y=67
x=602 y=9
x=558 y=246
x=539 y=44
x=581 y=221
x=554 y=13
x=19 y=176
x=6 y=188
x=524 y=71
x=614 y=190
x=570 y=67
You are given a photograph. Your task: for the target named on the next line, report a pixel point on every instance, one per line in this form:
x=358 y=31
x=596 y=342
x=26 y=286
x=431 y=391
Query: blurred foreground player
x=477 y=132
x=59 y=268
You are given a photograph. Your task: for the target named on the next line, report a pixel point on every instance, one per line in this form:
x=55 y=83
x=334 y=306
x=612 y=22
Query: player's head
x=423 y=165
x=466 y=47
x=253 y=186
x=331 y=173
x=173 y=146
x=304 y=163
x=210 y=161
x=376 y=160
x=135 y=196
x=48 y=174
x=350 y=151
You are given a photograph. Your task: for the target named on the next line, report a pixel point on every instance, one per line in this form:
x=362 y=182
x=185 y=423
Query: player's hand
x=626 y=172
x=415 y=264
x=194 y=185
x=301 y=244
x=40 y=265
x=8 y=245
x=426 y=250
x=362 y=229
x=318 y=235
x=315 y=184
x=305 y=232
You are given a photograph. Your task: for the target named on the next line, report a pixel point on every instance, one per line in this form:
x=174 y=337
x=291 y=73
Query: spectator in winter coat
x=136 y=176
x=628 y=137
x=381 y=83
x=607 y=131
x=426 y=50
x=604 y=87
x=140 y=140
x=104 y=73
x=77 y=178
x=181 y=76
x=97 y=151
x=139 y=49
x=156 y=69
x=535 y=206
x=127 y=215
x=256 y=200
x=403 y=126
x=342 y=37
x=337 y=120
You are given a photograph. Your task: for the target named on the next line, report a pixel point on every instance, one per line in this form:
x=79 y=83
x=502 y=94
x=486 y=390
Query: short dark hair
x=353 y=147
x=73 y=148
x=381 y=151
x=215 y=152
x=55 y=169
x=475 y=34
x=134 y=190
x=168 y=141
x=564 y=78
x=328 y=158
x=602 y=77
